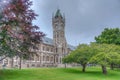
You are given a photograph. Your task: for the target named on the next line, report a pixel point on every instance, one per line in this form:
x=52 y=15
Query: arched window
x=31 y=57
x=60 y=60
x=56 y=59
x=51 y=59
x=56 y=50
x=37 y=57
x=43 y=58
x=47 y=49
x=43 y=48
x=47 y=59
x=51 y=49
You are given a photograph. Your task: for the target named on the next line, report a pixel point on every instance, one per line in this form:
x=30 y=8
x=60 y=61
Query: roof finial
x=58 y=14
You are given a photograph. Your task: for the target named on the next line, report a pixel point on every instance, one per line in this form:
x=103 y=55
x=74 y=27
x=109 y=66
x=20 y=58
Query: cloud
x=85 y=19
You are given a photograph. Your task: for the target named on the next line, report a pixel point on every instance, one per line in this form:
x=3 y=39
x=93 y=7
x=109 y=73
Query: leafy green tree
x=109 y=36
x=81 y=55
x=106 y=54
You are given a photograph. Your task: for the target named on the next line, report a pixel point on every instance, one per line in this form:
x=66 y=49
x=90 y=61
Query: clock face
x=59 y=27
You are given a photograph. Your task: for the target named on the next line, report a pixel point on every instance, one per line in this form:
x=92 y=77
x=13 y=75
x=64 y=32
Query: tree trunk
x=12 y=61
x=112 y=66
x=20 y=64
x=104 y=70
x=20 y=61
x=83 y=67
x=65 y=65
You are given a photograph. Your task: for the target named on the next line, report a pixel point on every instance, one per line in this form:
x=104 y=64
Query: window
x=56 y=50
x=51 y=59
x=47 y=49
x=47 y=59
x=32 y=57
x=56 y=59
x=33 y=65
x=43 y=48
x=43 y=58
x=37 y=57
x=51 y=49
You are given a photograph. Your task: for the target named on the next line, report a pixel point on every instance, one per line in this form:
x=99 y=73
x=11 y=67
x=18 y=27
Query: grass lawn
x=58 y=74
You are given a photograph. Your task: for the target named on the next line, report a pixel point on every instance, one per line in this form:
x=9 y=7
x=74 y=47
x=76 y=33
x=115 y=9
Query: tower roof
x=58 y=14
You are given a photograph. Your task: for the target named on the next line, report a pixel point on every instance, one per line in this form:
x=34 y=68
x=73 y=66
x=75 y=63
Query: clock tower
x=58 y=23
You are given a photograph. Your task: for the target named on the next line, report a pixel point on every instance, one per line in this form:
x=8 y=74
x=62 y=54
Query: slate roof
x=49 y=41
x=71 y=47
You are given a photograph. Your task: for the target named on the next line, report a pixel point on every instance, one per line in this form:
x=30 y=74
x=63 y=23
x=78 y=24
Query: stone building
x=50 y=51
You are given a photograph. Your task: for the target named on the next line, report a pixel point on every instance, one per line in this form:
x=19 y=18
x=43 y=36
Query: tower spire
x=58 y=13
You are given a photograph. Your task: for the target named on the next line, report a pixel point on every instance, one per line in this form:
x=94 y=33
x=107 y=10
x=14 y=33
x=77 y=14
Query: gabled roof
x=49 y=41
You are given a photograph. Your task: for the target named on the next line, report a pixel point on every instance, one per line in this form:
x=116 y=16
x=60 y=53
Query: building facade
x=50 y=51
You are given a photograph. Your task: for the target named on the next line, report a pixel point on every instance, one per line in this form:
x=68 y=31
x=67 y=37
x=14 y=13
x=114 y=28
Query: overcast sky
x=85 y=19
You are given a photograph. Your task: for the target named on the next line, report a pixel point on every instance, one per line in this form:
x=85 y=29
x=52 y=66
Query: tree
x=106 y=54
x=109 y=36
x=5 y=48
x=81 y=55
x=17 y=22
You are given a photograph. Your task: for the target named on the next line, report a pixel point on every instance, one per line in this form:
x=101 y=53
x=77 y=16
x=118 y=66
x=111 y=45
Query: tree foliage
x=109 y=36
x=16 y=21
x=81 y=55
x=106 y=54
